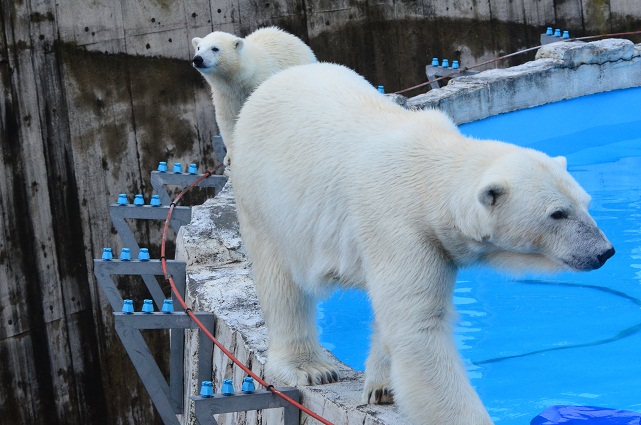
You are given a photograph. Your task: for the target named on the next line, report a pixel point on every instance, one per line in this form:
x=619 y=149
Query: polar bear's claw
x=314 y=376
x=380 y=396
x=299 y=374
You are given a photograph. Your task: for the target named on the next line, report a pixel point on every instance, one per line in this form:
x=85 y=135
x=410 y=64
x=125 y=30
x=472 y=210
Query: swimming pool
x=536 y=341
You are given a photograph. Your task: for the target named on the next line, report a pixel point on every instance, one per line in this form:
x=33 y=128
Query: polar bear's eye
x=559 y=215
x=214 y=49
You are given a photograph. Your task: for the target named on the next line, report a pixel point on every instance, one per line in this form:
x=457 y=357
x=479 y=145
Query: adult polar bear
x=336 y=183
x=235 y=66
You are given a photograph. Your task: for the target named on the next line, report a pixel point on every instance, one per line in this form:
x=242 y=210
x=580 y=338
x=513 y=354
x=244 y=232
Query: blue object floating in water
x=586 y=415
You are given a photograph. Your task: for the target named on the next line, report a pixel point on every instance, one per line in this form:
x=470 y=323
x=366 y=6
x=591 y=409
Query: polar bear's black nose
x=606 y=255
x=198 y=61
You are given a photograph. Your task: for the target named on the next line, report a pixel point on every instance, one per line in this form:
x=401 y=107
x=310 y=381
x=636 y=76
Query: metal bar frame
x=206 y=407
x=161 y=179
x=167 y=397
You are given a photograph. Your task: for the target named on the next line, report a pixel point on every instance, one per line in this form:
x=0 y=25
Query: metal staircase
x=167 y=394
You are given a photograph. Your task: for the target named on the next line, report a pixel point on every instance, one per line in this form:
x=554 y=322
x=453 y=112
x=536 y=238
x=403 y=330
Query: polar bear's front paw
x=298 y=373
x=378 y=393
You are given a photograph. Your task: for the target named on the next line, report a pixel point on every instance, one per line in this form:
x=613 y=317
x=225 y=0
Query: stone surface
x=598 y=52
x=564 y=70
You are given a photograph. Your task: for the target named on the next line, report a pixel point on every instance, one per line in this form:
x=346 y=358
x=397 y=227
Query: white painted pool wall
x=218 y=271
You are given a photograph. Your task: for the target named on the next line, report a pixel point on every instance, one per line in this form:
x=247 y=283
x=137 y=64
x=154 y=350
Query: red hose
x=190 y=313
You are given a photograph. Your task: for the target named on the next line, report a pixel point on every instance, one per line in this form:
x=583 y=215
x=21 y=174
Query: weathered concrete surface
x=218 y=274
x=561 y=71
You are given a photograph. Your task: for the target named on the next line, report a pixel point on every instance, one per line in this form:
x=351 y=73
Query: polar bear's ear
x=238 y=44
x=492 y=193
x=561 y=160
x=195 y=41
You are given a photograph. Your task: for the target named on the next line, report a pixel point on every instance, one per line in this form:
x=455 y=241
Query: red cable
x=451 y=74
x=191 y=314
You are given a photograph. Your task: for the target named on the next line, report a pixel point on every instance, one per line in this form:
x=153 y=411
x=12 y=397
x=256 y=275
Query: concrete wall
x=95 y=93
x=217 y=271
x=387 y=41
x=77 y=127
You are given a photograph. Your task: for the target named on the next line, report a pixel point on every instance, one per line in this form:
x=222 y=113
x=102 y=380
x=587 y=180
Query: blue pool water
x=537 y=341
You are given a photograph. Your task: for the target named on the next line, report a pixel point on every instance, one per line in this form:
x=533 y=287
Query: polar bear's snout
x=587 y=263
x=592 y=249
x=605 y=255
x=198 y=61
x=599 y=259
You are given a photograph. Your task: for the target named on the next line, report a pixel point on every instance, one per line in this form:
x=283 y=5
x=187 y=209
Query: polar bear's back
x=281 y=47
x=316 y=101
x=325 y=110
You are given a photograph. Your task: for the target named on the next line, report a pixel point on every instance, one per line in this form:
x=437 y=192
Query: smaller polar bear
x=335 y=183
x=235 y=66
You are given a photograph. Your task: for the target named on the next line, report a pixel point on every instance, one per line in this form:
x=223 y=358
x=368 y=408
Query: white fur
x=239 y=65
x=336 y=183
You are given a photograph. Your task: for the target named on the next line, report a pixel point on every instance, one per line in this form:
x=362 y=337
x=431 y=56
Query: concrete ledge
x=218 y=271
x=562 y=70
